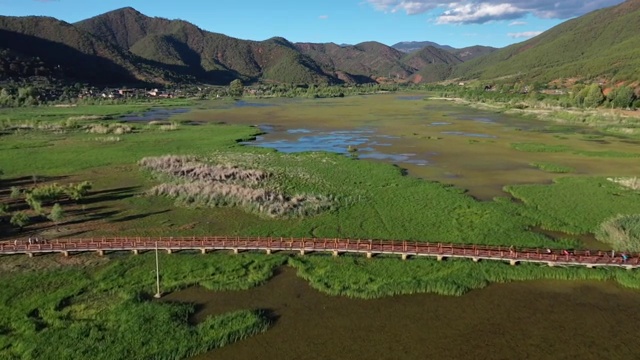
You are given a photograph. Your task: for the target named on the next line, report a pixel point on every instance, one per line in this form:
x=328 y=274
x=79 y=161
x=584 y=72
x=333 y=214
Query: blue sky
x=463 y=23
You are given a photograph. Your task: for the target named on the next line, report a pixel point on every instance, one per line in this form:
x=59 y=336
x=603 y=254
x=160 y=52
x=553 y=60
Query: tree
x=622 y=97
x=20 y=219
x=79 y=191
x=57 y=214
x=594 y=96
x=236 y=89
x=34 y=202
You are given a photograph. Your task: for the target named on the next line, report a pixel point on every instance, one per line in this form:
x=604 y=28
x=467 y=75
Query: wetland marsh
x=423 y=170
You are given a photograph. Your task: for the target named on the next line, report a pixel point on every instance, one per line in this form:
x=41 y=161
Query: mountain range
x=126 y=47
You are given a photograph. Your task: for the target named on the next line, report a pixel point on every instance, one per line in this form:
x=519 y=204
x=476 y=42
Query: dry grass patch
x=116 y=129
x=192 y=182
x=629 y=182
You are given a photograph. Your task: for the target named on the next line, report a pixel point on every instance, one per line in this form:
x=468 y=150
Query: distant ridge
x=411 y=46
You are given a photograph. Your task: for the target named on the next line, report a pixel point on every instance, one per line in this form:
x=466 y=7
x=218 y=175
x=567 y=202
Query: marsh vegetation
x=223 y=188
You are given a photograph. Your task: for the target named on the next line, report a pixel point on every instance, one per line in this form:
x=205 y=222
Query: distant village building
x=127 y=92
x=159 y=93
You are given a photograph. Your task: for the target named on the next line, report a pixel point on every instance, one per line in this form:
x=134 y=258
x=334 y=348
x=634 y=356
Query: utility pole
x=157 y=295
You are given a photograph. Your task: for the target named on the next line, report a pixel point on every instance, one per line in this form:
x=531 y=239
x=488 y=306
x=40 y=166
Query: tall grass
x=104 y=312
x=357 y=277
x=622 y=232
x=203 y=185
x=575 y=205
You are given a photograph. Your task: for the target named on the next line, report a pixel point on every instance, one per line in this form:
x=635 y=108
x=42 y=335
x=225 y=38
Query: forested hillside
x=603 y=45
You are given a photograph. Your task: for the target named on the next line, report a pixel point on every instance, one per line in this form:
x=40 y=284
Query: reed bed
x=356 y=277
x=622 y=232
x=629 y=182
x=199 y=184
x=191 y=168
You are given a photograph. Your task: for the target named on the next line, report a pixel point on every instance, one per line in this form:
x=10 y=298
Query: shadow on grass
x=92 y=217
x=138 y=216
x=111 y=194
x=27 y=181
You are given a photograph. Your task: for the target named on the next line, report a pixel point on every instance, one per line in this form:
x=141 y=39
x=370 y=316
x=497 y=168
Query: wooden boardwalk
x=370 y=248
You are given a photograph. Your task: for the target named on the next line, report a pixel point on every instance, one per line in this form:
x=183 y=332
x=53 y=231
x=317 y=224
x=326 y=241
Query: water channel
x=529 y=320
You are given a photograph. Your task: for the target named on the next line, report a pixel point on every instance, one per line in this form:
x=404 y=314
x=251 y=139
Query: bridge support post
x=65 y=253
x=513 y=262
x=405 y=256
x=30 y=255
x=475 y=259
x=203 y=251
x=100 y=252
x=591 y=266
x=235 y=251
x=440 y=257
x=135 y=252
x=335 y=253
x=169 y=251
x=268 y=251
x=551 y=264
x=301 y=252
x=369 y=255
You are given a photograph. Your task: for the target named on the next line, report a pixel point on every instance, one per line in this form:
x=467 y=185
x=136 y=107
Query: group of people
x=32 y=241
x=565 y=252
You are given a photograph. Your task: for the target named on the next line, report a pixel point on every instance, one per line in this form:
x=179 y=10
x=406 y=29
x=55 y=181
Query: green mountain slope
x=603 y=45
x=472 y=52
x=431 y=64
x=75 y=54
x=212 y=57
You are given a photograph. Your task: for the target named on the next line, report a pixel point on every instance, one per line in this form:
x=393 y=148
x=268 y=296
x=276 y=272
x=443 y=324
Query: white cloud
x=482 y=11
x=323 y=17
x=517 y=23
x=478 y=14
x=524 y=34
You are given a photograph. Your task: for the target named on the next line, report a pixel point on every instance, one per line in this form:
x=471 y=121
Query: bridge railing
x=315 y=244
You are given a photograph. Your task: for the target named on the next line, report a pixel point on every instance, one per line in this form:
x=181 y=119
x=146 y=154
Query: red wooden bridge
x=370 y=248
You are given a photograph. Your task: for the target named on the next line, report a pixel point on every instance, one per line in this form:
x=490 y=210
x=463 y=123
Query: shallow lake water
x=362 y=143
x=529 y=320
x=434 y=140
